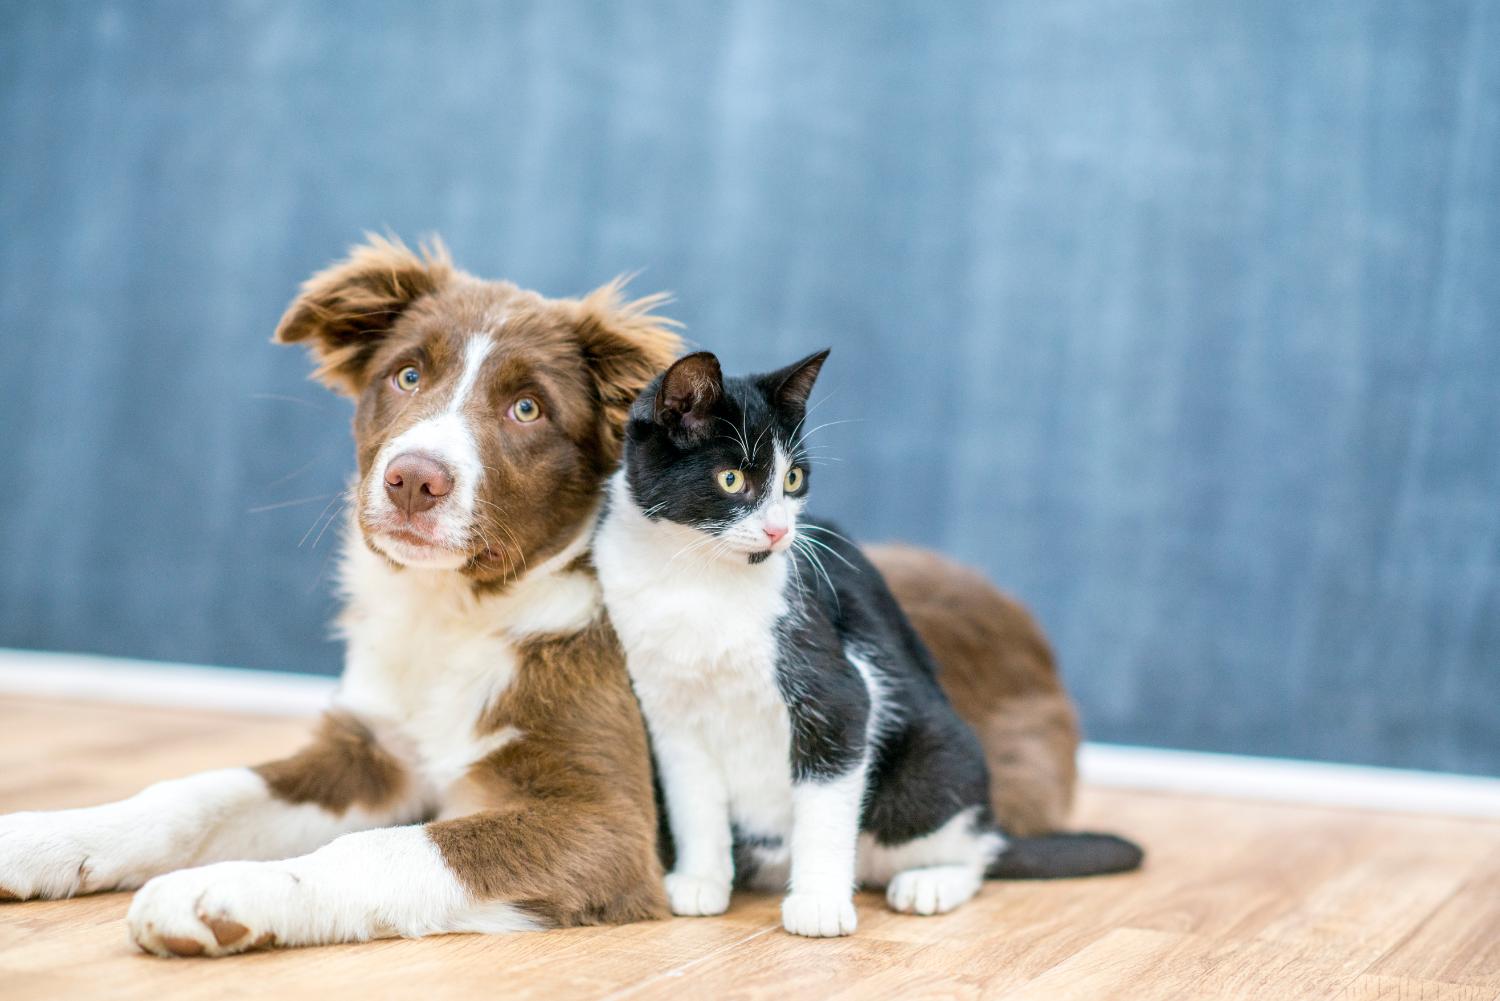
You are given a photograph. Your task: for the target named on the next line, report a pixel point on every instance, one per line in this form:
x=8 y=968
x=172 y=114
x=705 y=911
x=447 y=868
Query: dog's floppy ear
x=345 y=310
x=625 y=345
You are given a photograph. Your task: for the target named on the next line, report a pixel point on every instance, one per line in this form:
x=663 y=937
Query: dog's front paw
x=818 y=916
x=215 y=910
x=40 y=856
x=694 y=896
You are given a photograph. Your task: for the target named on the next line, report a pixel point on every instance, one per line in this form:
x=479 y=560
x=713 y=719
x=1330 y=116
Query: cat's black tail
x=1064 y=854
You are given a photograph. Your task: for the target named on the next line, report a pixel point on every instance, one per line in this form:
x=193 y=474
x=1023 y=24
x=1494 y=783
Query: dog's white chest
x=429 y=657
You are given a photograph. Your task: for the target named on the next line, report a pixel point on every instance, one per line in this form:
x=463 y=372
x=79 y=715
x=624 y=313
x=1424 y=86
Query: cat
x=801 y=739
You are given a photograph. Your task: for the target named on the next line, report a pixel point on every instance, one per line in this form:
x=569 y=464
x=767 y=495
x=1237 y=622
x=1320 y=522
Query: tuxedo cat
x=801 y=738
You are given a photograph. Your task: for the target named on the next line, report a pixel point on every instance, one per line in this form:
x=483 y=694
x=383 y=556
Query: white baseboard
x=152 y=683
x=1240 y=776
x=278 y=693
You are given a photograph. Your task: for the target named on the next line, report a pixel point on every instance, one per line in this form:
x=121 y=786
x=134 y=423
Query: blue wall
x=1179 y=318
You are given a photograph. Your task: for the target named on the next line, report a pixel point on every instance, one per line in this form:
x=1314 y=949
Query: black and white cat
x=800 y=735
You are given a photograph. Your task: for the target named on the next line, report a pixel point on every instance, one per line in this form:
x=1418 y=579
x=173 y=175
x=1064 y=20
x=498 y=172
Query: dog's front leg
x=372 y=884
x=537 y=863
x=344 y=781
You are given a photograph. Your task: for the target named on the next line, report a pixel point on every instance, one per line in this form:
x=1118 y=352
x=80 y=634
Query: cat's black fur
x=927 y=764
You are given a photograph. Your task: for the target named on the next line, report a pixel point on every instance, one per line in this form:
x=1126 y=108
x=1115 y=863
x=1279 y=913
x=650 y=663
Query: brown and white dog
x=485 y=766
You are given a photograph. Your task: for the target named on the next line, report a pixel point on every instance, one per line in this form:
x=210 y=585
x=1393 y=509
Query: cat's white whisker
x=836 y=553
x=829 y=424
x=818 y=565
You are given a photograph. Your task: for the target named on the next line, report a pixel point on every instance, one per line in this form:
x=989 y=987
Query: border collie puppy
x=799 y=732
x=484 y=766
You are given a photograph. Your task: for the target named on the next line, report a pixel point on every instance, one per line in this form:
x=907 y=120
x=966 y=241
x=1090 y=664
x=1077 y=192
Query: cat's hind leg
x=933 y=889
x=933 y=873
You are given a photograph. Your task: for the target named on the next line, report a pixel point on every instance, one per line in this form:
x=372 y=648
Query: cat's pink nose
x=775 y=533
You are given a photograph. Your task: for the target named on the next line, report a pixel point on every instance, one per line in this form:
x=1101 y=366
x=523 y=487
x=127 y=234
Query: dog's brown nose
x=416 y=482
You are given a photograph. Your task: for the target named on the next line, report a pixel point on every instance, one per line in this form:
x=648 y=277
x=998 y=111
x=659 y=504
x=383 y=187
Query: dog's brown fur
x=998 y=671
x=343 y=766
x=553 y=840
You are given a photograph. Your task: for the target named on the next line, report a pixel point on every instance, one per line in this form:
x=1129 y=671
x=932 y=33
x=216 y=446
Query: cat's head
x=724 y=456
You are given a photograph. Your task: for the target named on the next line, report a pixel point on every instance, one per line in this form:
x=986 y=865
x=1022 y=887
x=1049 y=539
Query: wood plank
x=67 y=754
x=1237 y=900
x=1460 y=942
x=777 y=965
x=1370 y=987
x=1132 y=963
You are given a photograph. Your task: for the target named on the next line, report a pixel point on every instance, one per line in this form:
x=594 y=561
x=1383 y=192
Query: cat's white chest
x=700 y=644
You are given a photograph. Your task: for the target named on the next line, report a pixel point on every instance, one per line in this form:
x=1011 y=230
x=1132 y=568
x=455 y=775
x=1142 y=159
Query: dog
x=484 y=766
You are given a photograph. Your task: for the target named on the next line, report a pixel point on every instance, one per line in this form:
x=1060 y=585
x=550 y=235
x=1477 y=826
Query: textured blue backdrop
x=1180 y=319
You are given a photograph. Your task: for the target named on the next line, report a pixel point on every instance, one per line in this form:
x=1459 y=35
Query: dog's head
x=487 y=417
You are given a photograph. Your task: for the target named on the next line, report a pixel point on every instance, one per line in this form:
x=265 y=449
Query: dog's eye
x=794 y=479
x=525 y=410
x=732 y=481
x=406 y=380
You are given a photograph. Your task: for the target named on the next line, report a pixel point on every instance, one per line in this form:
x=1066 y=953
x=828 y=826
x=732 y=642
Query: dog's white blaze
x=476 y=351
x=449 y=438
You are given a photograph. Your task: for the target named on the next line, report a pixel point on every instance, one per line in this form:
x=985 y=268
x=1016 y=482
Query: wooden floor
x=1237 y=900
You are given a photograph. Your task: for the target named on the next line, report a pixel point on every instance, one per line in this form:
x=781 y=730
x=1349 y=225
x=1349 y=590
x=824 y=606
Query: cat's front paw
x=694 y=896
x=215 y=910
x=818 y=916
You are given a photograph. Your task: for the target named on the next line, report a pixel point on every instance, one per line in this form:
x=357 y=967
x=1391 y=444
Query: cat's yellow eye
x=526 y=410
x=407 y=379
x=793 y=479
x=732 y=481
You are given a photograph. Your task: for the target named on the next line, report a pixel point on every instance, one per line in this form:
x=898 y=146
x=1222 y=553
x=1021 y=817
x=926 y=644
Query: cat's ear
x=346 y=310
x=791 y=386
x=690 y=391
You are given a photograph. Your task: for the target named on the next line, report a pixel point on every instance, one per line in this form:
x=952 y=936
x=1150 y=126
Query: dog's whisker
x=291 y=503
x=301 y=469
x=320 y=518
x=290 y=399
x=330 y=521
x=321 y=570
